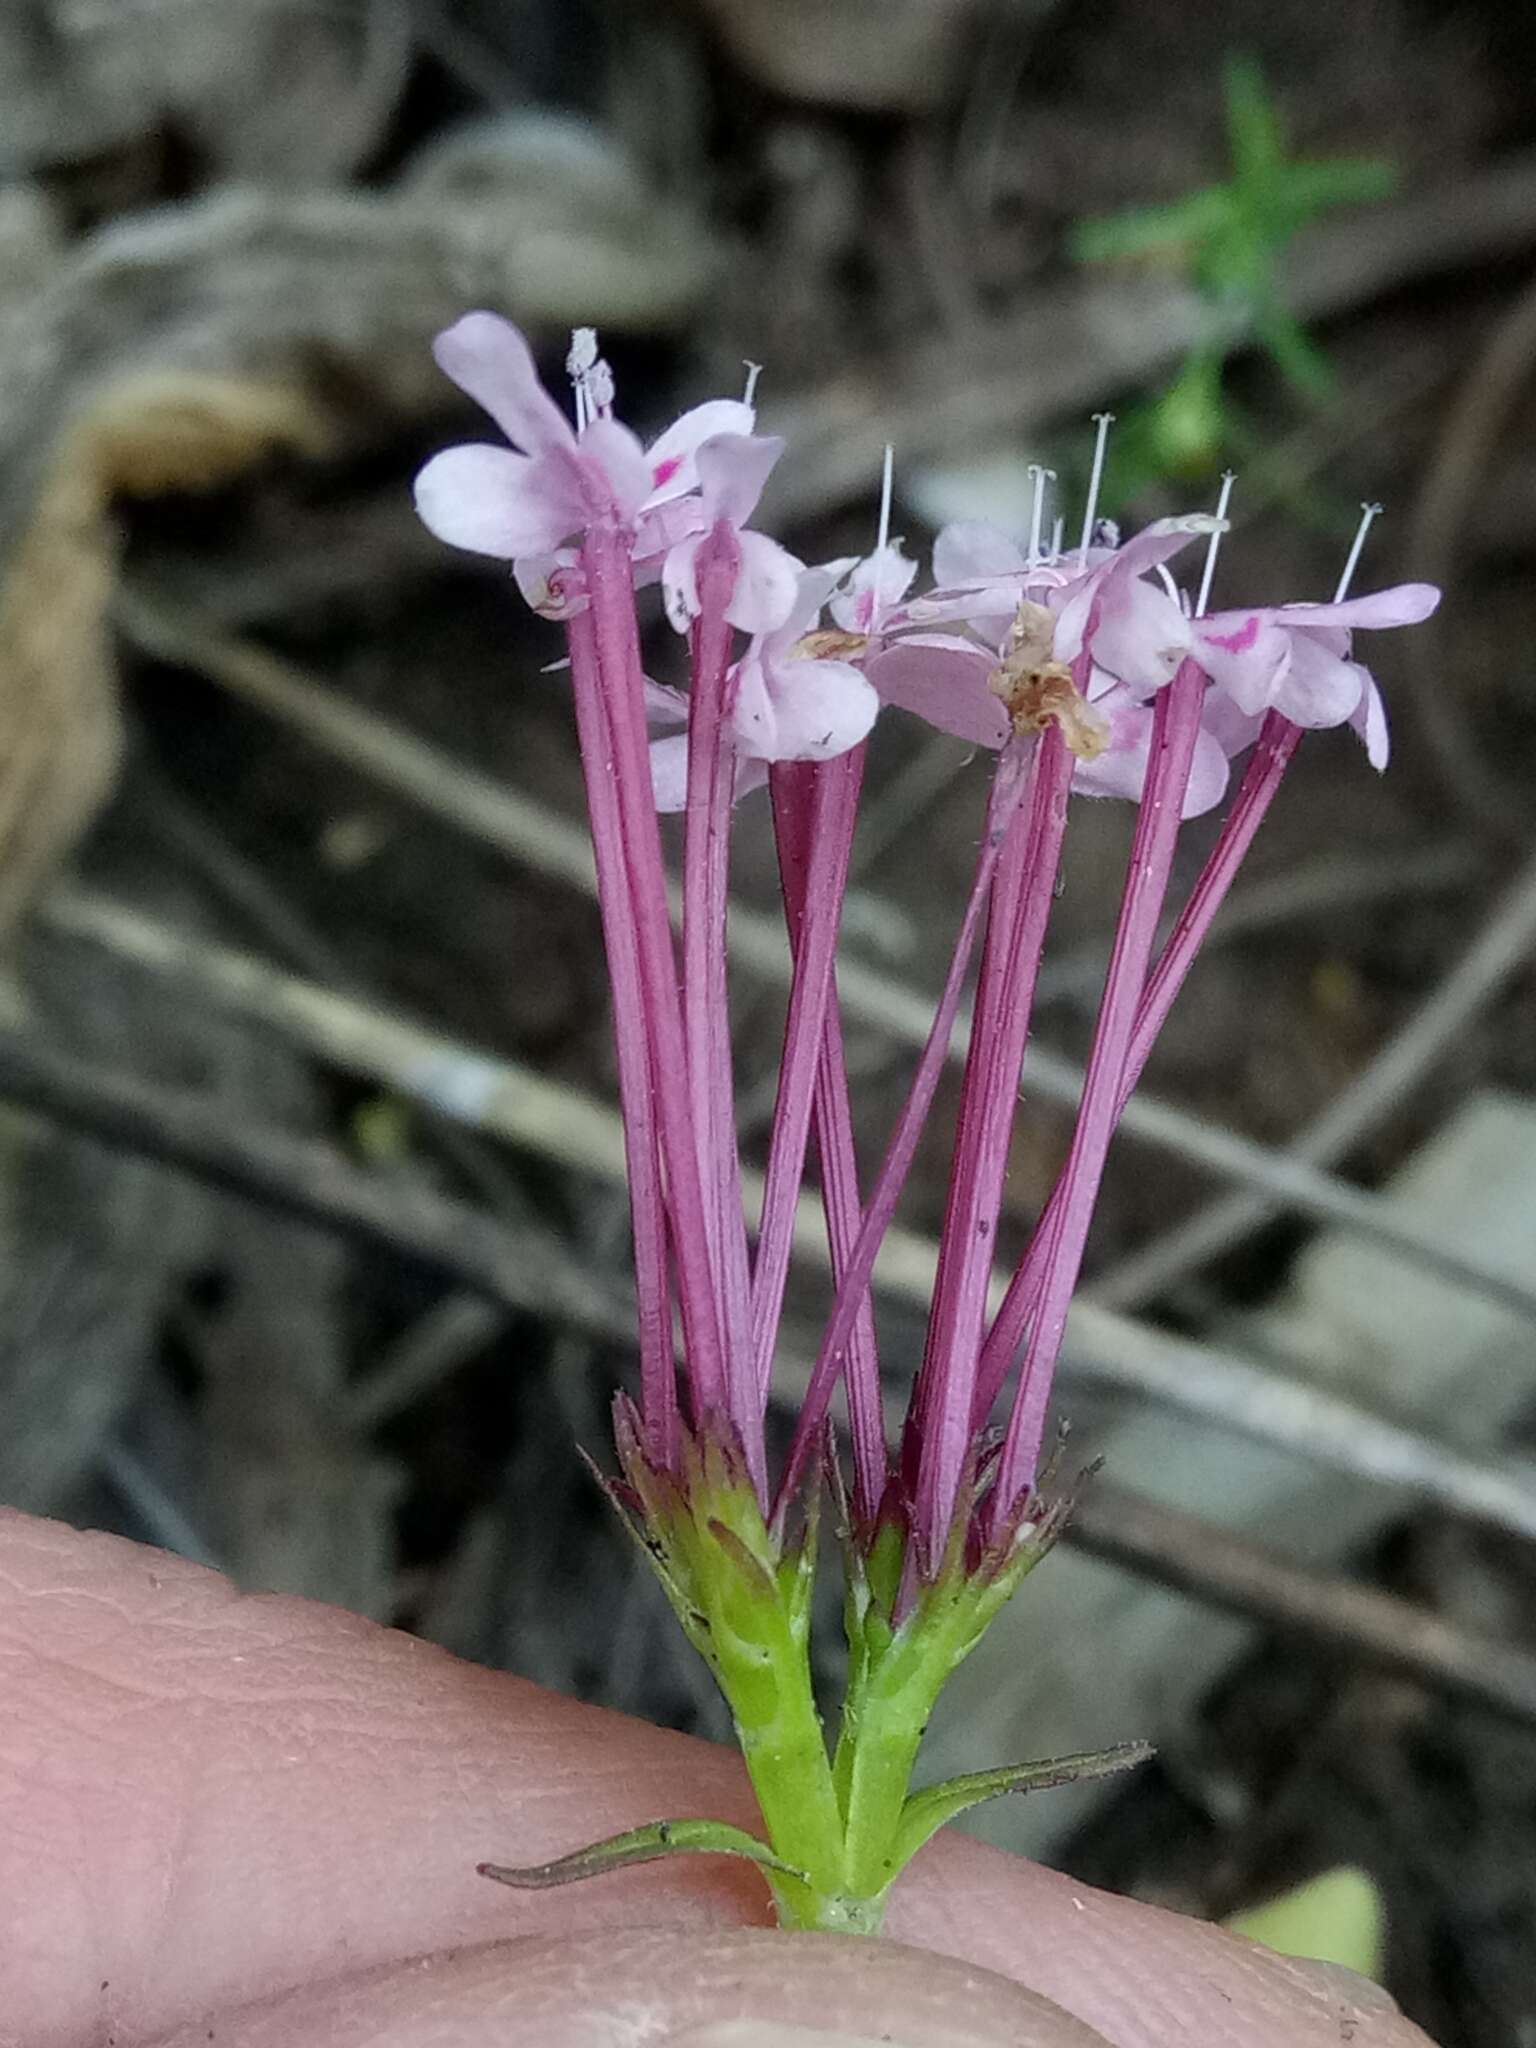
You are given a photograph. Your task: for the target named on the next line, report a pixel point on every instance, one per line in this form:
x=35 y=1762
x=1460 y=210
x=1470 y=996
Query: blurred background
x=314 y=1249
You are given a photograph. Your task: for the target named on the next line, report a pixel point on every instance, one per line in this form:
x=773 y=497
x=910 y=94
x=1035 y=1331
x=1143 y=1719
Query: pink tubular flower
x=1084 y=671
x=791 y=703
x=1294 y=659
x=521 y=503
x=731 y=471
x=785 y=702
x=1132 y=631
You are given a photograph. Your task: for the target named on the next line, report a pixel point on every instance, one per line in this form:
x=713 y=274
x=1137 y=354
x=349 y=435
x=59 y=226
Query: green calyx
x=840 y=1826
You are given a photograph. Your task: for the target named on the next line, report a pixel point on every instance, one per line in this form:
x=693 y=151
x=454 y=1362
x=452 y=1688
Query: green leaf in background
x=1335 y=1918
x=1227 y=238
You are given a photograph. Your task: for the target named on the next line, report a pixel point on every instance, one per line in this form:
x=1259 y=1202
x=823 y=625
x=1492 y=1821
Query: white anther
x=1104 y=420
x=1368 y=514
x=1213 y=545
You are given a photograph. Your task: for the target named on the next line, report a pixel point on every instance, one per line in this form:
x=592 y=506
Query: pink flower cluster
x=1084 y=670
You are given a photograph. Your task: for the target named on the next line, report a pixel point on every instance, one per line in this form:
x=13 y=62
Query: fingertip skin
x=736 y=1988
x=209 y=1801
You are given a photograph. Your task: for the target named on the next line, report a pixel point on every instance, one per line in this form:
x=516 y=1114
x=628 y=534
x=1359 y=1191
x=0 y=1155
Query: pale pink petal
x=884 y=577
x=1243 y=653
x=669 y=772
x=1121 y=770
x=813 y=588
x=1404 y=604
x=988 y=611
x=766 y=586
x=733 y=469
x=752 y=717
x=493 y=502
x=659 y=528
x=552 y=584
x=614 y=468
x=664 y=706
x=1316 y=688
x=679 y=589
x=1079 y=601
x=970 y=551
x=1208 y=776
x=672 y=456
x=491 y=363
x=1159 y=542
x=801 y=710
x=1141 y=636
x=943 y=680
x=1233 y=729
x=750 y=774
x=1369 y=719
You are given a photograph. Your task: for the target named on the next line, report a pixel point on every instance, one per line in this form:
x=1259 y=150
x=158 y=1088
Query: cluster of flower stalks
x=1084 y=668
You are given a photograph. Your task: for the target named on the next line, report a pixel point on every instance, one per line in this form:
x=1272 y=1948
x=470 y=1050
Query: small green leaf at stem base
x=648 y=1844
x=927 y=1811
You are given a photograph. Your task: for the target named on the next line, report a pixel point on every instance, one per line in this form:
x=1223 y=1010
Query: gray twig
x=1505 y=940
x=1225 y=1571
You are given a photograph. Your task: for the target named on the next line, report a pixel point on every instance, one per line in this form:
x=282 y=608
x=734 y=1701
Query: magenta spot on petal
x=664 y=472
x=1238 y=642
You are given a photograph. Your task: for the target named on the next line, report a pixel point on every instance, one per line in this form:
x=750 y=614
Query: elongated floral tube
x=1276 y=748
x=1175 y=729
x=793 y=787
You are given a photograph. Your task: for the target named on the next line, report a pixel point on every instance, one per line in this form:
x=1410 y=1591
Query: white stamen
x=754 y=371
x=1368 y=513
x=1105 y=421
x=1037 y=510
x=1058 y=534
x=1213 y=545
x=887 y=475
